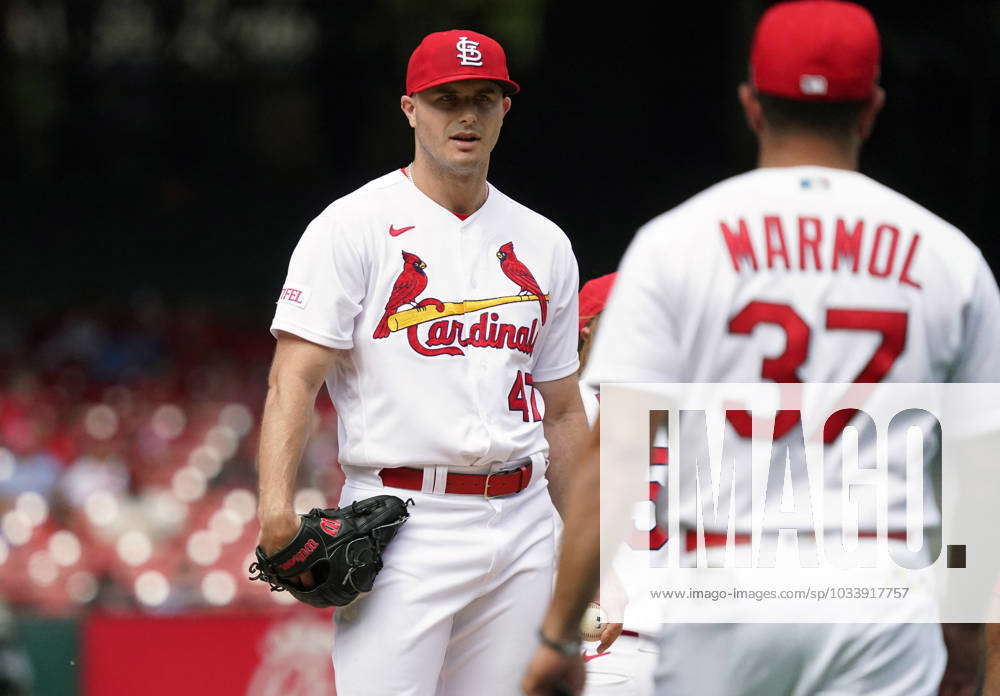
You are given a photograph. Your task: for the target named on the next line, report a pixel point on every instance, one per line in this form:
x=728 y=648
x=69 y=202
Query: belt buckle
x=486 y=488
x=519 y=470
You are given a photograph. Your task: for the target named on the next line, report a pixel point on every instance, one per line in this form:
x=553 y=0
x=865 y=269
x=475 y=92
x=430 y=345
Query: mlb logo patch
x=813 y=84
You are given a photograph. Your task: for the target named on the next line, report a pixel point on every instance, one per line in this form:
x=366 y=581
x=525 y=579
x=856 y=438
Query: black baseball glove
x=342 y=547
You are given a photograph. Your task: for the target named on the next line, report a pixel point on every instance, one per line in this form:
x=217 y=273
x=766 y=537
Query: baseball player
x=624 y=668
x=440 y=314
x=801 y=270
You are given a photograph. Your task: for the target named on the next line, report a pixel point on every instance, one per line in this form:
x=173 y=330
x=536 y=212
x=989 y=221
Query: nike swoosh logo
x=588 y=658
x=395 y=232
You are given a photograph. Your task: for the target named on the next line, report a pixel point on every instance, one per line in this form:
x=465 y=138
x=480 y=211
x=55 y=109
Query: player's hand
x=613 y=598
x=275 y=533
x=608 y=636
x=551 y=673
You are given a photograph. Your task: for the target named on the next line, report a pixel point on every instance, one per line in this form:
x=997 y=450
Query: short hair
x=832 y=119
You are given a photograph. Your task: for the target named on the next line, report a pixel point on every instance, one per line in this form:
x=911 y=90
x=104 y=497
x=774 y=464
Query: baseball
x=593 y=622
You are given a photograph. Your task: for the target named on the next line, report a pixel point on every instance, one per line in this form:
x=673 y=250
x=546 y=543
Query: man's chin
x=467 y=163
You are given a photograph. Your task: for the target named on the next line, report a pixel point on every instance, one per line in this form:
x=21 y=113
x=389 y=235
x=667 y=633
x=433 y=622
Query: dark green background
x=52 y=645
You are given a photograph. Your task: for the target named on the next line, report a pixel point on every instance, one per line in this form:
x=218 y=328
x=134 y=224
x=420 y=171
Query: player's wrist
x=278 y=529
x=275 y=513
x=567 y=647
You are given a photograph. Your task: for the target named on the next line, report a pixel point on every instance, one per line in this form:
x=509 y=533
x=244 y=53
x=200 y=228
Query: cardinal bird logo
x=410 y=283
x=519 y=273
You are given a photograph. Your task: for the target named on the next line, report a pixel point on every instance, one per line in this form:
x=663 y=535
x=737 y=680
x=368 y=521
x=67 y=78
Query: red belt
x=719 y=538
x=491 y=485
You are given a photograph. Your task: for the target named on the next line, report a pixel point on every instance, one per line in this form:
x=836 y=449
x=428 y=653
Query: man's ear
x=751 y=107
x=506 y=105
x=866 y=123
x=408 y=106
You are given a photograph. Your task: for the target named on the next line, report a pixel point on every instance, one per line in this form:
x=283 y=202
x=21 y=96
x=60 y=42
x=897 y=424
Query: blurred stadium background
x=161 y=159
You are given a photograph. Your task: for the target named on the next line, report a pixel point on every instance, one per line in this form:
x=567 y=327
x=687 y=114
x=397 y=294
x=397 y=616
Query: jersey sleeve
x=324 y=287
x=973 y=407
x=636 y=339
x=591 y=403
x=557 y=357
x=979 y=359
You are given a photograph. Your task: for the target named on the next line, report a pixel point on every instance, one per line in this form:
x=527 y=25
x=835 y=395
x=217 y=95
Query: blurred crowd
x=127 y=442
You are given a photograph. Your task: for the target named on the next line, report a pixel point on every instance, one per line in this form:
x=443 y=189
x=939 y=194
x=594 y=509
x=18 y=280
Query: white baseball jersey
x=450 y=383
x=797 y=274
x=447 y=324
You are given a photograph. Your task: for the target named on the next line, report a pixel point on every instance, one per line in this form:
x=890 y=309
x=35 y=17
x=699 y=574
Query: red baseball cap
x=458 y=54
x=816 y=50
x=593 y=297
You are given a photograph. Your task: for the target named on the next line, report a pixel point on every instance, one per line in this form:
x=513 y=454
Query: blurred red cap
x=593 y=297
x=816 y=50
x=458 y=54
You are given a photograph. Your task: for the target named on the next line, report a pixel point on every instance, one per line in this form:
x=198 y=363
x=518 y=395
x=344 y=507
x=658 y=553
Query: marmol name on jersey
x=879 y=245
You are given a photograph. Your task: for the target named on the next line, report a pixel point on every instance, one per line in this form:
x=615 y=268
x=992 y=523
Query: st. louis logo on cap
x=468 y=52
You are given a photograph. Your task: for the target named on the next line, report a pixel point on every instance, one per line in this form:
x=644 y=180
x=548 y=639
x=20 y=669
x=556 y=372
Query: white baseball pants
x=456 y=609
x=626 y=669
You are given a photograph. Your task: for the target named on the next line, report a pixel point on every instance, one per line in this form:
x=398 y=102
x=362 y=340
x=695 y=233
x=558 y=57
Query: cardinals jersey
x=445 y=347
x=799 y=274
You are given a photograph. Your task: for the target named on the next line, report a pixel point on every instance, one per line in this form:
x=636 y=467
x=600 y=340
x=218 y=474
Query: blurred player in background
x=440 y=315
x=801 y=270
x=626 y=667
